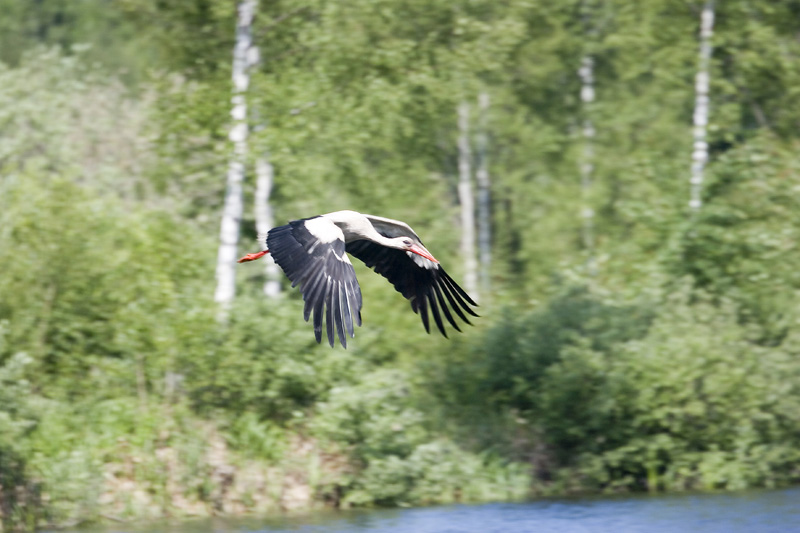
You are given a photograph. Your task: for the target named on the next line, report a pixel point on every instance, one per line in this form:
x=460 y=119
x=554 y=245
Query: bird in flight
x=313 y=253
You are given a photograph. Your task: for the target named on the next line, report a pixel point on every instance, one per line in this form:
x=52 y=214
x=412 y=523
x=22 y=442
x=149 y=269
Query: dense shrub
x=681 y=398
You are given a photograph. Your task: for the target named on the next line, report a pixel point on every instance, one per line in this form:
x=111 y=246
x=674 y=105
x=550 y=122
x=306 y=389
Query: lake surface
x=776 y=511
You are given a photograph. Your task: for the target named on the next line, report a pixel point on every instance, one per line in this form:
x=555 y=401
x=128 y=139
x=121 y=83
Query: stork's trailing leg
x=253 y=256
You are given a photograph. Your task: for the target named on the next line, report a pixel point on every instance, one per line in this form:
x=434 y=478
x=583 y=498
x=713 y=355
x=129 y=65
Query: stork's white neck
x=356 y=226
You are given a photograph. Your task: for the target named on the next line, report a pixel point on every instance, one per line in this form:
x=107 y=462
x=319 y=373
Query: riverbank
x=176 y=466
x=765 y=511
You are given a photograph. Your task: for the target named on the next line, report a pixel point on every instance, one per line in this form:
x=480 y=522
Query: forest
x=617 y=184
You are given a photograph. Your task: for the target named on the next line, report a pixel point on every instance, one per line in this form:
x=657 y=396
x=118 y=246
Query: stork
x=313 y=254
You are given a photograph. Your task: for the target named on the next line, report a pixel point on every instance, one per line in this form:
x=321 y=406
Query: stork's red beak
x=253 y=257
x=419 y=250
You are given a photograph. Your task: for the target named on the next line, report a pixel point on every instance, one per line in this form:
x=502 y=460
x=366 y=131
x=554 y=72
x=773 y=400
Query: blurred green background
x=665 y=357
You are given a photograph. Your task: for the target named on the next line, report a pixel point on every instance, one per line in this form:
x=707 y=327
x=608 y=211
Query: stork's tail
x=253 y=256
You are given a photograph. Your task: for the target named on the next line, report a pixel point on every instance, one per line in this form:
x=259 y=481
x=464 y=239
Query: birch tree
x=586 y=73
x=467 y=201
x=233 y=207
x=484 y=195
x=265 y=174
x=701 y=104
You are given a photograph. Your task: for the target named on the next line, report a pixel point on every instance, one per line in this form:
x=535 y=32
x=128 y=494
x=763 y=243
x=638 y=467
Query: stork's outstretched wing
x=423 y=282
x=312 y=254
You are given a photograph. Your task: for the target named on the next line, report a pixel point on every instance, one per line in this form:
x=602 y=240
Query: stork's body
x=313 y=254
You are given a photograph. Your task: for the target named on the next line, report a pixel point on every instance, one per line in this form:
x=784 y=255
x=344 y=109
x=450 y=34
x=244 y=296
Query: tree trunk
x=265 y=175
x=701 y=104
x=232 y=210
x=586 y=73
x=467 y=202
x=484 y=197
x=265 y=221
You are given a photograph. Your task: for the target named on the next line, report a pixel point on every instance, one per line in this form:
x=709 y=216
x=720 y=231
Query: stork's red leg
x=253 y=257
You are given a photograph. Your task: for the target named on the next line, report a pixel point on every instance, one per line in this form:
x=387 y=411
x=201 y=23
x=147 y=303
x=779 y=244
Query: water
x=749 y=512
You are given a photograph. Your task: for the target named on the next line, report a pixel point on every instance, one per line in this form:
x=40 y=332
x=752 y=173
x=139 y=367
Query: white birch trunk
x=265 y=221
x=265 y=175
x=232 y=210
x=467 y=202
x=484 y=197
x=586 y=73
x=700 y=150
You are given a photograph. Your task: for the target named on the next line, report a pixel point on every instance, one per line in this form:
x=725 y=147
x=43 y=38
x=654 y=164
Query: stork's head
x=410 y=245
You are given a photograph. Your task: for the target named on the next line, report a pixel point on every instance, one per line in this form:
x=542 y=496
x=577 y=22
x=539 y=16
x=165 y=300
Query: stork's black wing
x=424 y=283
x=312 y=254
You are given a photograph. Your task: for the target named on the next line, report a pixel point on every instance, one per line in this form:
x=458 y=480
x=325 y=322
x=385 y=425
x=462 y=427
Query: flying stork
x=313 y=254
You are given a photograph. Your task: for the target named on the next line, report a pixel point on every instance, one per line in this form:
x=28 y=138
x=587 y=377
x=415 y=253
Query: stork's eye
x=407 y=242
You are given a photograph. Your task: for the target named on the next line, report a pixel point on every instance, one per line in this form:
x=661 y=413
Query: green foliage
x=547 y=367
x=107 y=285
x=691 y=400
x=437 y=472
x=375 y=417
x=674 y=367
x=702 y=393
x=402 y=461
x=99 y=27
x=19 y=414
x=743 y=244
x=264 y=361
x=257 y=439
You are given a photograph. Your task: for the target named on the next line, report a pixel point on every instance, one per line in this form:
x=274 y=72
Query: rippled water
x=750 y=512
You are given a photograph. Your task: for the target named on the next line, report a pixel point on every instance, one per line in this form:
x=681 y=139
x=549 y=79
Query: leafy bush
x=546 y=367
x=256 y=438
x=397 y=459
x=703 y=404
x=19 y=413
x=611 y=399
